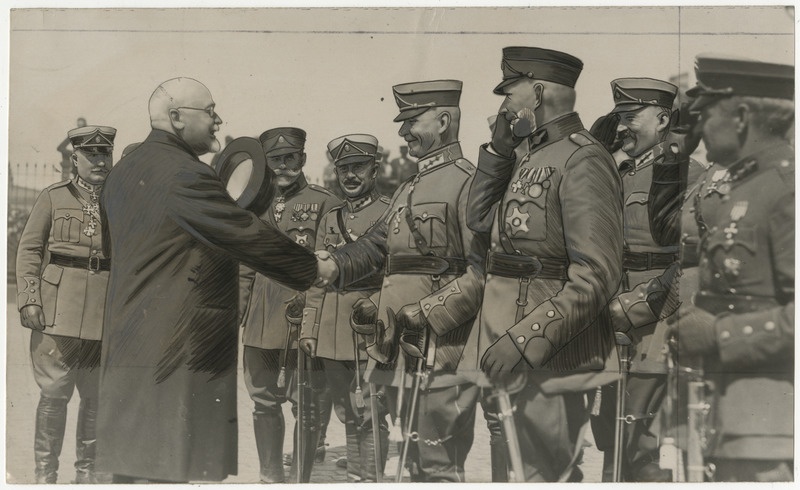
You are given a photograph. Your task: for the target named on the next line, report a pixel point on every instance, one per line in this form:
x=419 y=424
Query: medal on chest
x=305 y=211
x=93 y=211
x=738 y=211
x=517 y=220
x=720 y=183
x=280 y=205
x=532 y=181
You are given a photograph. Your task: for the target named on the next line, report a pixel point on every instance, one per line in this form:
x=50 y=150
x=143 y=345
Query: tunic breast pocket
x=526 y=217
x=67 y=224
x=430 y=218
x=302 y=236
x=734 y=255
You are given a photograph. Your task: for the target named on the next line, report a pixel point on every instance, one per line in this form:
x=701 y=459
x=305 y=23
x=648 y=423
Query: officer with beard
x=327 y=332
x=297 y=210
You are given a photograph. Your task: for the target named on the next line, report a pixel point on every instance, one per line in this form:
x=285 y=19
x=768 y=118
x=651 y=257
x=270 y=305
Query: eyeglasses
x=209 y=110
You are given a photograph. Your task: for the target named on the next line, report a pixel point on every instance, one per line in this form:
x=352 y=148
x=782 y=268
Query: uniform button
x=32 y=282
x=91 y=272
x=352 y=216
x=731 y=307
x=535 y=327
x=396 y=231
x=453 y=290
x=305 y=313
x=627 y=301
x=784 y=163
x=769 y=326
x=33 y=300
x=494 y=244
x=641 y=295
x=747 y=330
x=427 y=307
x=94 y=252
x=732 y=290
x=441 y=298
x=33 y=290
x=67 y=215
x=550 y=314
x=520 y=339
x=725 y=335
x=424 y=215
x=685 y=235
x=716 y=275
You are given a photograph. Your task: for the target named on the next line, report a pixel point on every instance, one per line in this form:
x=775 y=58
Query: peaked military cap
x=635 y=93
x=280 y=141
x=353 y=148
x=538 y=64
x=417 y=97
x=723 y=76
x=93 y=139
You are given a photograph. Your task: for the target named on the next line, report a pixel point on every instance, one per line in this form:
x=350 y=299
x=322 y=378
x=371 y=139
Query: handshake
x=327 y=269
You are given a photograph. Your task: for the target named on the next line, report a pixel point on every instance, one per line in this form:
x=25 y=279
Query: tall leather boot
x=325 y=409
x=353 y=451
x=51 y=421
x=367 y=450
x=498 y=450
x=85 y=442
x=269 y=430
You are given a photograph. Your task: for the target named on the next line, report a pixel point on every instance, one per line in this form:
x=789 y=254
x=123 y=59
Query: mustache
x=352 y=182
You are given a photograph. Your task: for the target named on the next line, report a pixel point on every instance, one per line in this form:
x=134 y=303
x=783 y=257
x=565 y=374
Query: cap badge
x=281 y=139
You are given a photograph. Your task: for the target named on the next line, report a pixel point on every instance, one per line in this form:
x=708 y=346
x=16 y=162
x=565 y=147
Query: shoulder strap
x=422 y=244
x=342 y=229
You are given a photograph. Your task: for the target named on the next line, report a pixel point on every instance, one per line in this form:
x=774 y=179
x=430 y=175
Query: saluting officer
x=643 y=107
x=433 y=284
x=297 y=211
x=555 y=258
x=327 y=332
x=62 y=276
x=742 y=319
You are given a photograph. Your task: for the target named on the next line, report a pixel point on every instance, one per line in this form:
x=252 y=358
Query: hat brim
x=498 y=90
x=410 y=113
x=282 y=151
x=703 y=100
x=629 y=108
x=353 y=159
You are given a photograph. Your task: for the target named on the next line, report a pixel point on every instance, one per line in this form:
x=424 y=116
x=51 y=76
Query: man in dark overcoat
x=168 y=368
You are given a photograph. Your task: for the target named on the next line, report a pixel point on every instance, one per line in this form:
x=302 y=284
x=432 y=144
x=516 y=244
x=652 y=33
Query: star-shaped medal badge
x=302 y=239
x=518 y=221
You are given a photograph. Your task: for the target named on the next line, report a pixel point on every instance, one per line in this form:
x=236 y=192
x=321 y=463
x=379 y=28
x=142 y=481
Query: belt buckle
x=92 y=267
x=537 y=268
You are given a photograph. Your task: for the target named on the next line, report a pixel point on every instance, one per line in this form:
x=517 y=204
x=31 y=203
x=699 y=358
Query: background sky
x=330 y=71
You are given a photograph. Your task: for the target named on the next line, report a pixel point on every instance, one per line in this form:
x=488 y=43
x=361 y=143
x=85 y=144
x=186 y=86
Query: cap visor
x=411 y=113
x=702 y=101
x=353 y=159
x=505 y=83
x=628 y=108
x=282 y=151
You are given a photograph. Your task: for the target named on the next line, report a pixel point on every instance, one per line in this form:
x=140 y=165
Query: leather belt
x=425 y=264
x=524 y=266
x=645 y=261
x=728 y=303
x=93 y=263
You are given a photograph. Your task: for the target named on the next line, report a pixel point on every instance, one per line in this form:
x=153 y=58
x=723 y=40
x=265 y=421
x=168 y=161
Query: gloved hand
x=694 y=330
x=364 y=316
x=501 y=358
x=411 y=323
x=309 y=346
x=294 y=308
x=32 y=316
x=604 y=130
x=510 y=130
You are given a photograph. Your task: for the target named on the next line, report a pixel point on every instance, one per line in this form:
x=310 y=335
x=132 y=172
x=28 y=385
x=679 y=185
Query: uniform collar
x=359 y=203
x=439 y=157
x=769 y=157
x=90 y=188
x=555 y=130
x=295 y=187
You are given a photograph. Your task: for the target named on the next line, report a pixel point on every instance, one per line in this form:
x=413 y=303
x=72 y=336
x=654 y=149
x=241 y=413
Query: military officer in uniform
x=555 y=259
x=297 y=210
x=62 y=275
x=741 y=322
x=327 y=332
x=433 y=282
x=644 y=108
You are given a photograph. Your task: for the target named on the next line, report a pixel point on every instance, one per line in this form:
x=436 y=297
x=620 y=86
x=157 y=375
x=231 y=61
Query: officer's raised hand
x=412 y=323
x=510 y=130
x=694 y=330
x=605 y=131
x=501 y=358
x=32 y=317
x=294 y=308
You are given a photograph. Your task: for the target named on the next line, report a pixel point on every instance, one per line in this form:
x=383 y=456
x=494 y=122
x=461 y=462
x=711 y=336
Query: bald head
x=185 y=108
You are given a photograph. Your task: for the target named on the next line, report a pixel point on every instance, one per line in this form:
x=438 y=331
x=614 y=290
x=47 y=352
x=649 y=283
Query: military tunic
x=746 y=270
x=297 y=211
x=72 y=297
x=435 y=201
x=561 y=205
